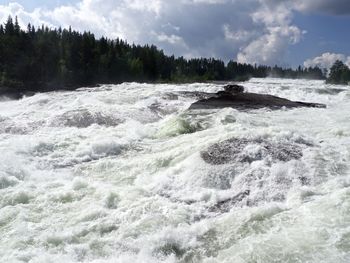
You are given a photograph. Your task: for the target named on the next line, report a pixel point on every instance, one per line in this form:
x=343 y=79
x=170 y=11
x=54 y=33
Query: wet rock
x=234 y=89
x=233 y=96
x=245 y=150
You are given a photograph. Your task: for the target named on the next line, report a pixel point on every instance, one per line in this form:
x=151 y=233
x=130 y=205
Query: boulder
x=234 y=89
x=249 y=150
x=234 y=96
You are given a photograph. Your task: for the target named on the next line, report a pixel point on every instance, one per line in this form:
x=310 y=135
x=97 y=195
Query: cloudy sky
x=284 y=32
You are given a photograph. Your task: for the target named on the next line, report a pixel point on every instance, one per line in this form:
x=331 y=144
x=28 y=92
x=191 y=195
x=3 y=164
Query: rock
x=233 y=96
x=245 y=150
x=234 y=89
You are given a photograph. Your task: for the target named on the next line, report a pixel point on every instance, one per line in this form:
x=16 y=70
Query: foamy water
x=115 y=174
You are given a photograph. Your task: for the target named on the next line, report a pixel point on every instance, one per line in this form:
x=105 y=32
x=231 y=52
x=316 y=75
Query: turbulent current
x=125 y=173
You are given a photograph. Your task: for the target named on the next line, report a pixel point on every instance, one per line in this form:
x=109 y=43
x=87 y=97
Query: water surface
x=115 y=174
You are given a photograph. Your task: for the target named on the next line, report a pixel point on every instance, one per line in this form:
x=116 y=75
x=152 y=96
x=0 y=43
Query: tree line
x=40 y=59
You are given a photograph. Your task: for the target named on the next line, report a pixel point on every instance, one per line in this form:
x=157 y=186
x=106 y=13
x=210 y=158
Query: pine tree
x=9 y=27
x=17 y=28
x=339 y=73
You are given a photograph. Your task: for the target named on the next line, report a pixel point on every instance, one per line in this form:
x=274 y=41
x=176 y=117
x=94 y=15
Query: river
x=116 y=174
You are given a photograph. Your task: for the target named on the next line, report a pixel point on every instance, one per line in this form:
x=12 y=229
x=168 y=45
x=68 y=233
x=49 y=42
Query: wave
x=126 y=173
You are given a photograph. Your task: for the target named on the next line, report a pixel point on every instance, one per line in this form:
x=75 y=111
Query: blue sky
x=325 y=33
x=285 y=32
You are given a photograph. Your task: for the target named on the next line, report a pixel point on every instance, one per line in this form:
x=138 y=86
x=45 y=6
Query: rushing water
x=116 y=174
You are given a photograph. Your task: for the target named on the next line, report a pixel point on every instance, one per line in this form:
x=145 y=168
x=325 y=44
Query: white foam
x=115 y=174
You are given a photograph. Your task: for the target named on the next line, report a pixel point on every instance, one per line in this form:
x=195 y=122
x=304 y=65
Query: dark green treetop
x=339 y=73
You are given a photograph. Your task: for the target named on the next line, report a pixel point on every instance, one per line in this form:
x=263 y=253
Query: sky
x=282 y=32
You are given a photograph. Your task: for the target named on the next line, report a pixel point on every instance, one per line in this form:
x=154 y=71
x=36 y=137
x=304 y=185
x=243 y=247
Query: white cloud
x=24 y=17
x=278 y=34
x=270 y=47
x=171 y=39
x=142 y=5
x=237 y=35
x=326 y=60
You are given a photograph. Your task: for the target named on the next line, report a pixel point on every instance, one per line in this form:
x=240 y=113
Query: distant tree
x=339 y=73
x=16 y=26
x=9 y=27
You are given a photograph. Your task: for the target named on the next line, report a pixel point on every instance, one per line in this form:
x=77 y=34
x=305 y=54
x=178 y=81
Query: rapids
x=116 y=174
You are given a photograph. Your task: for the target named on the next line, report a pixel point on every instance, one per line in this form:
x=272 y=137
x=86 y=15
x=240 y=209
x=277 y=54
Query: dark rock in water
x=233 y=96
x=244 y=150
x=234 y=89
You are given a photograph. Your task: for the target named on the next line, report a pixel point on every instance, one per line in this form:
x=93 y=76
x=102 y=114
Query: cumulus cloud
x=279 y=33
x=252 y=31
x=269 y=48
x=326 y=60
x=240 y=35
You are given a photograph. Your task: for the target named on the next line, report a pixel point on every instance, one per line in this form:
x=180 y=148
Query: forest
x=44 y=59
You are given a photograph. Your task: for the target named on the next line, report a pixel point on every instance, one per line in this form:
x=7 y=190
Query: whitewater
x=116 y=173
